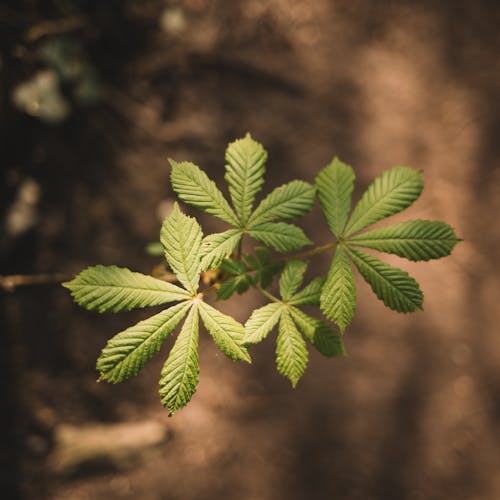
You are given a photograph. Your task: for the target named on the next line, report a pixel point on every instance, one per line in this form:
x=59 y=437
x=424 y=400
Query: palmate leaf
x=261 y=322
x=226 y=331
x=193 y=186
x=291 y=278
x=286 y=202
x=393 y=286
x=310 y=294
x=245 y=167
x=413 y=240
x=338 y=297
x=112 y=288
x=181 y=236
x=281 y=236
x=335 y=184
x=291 y=350
x=128 y=351
x=217 y=247
x=390 y=193
x=179 y=376
x=326 y=340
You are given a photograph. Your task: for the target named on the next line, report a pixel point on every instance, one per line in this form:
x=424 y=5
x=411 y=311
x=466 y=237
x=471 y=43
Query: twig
x=308 y=253
x=267 y=294
x=10 y=283
x=54 y=27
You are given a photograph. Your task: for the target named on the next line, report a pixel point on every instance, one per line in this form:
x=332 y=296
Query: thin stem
x=308 y=253
x=240 y=249
x=267 y=294
x=10 y=283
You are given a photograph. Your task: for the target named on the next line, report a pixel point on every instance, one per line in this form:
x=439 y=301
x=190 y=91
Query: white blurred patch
x=23 y=214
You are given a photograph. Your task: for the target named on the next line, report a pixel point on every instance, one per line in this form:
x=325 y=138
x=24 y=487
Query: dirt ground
x=414 y=411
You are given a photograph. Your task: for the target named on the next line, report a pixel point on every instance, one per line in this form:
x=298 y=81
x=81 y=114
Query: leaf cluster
x=189 y=255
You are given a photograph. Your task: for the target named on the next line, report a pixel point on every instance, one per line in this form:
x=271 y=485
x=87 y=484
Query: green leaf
x=263 y=270
x=310 y=294
x=245 y=167
x=230 y=266
x=413 y=240
x=324 y=338
x=128 y=351
x=291 y=350
x=267 y=273
x=226 y=331
x=181 y=236
x=217 y=247
x=291 y=278
x=179 y=376
x=338 y=297
x=193 y=186
x=387 y=195
x=238 y=284
x=261 y=322
x=286 y=202
x=335 y=184
x=280 y=236
x=393 y=286
x=111 y=288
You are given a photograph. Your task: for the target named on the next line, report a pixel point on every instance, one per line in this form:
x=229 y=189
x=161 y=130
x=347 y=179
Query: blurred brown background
x=96 y=96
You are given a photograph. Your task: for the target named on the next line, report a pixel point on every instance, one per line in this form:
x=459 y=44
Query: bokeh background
x=96 y=95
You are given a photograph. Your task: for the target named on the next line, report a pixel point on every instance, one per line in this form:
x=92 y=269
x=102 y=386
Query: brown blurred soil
x=413 y=412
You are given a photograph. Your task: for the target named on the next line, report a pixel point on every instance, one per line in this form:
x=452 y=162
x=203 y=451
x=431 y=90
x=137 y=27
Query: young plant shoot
x=190 y=255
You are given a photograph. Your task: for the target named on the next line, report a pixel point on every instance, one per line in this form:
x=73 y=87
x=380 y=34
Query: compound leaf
x=310 y=294
x=261 y=322
x=338 y=297
x=413 y=240
x=291 y=278
x=280 y=236
x=128 y=351
x=226 y=331
x=286 y=202
x=393 y=286
x=181 y=236
x=179 y=376
x=291 y=350
x=193 y=186
x=217 y=247
x=112 y=288
x=387 y=195
x=335 y=184
x=324 y=338
x=245 y=167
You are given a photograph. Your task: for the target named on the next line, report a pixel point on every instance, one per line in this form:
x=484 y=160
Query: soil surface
x=413 y=412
